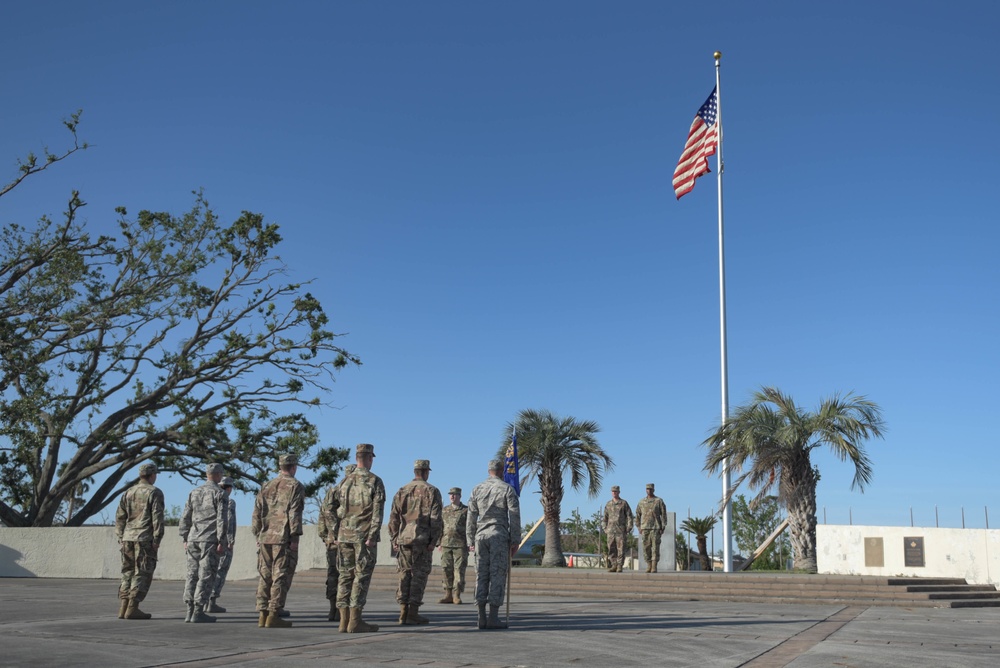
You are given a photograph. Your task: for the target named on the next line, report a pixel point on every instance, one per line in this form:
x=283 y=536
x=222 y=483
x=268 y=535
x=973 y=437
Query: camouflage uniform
x=139 y=528
x=358 y=506
x=226 y=558
x=203 y=526
x=415 y=528
x=651 y=520
x=276 y=524
x=493 y=526
x=617 y=523
x=324 y=527
x=454 y=545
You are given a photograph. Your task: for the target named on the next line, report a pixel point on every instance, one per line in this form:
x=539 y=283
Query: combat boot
x=262 y=620
x=482 y=615
x=274 y=621
x=283 y=613
x=404 y=612
x=133 y=611
x=447 y=597
x=653 y=568
x=458 y=598
x=345 y=619
x=494 y=621
x=199 y=616
x=122 y=608
x=358 y=625
x=190 y=612
x=649 y=568
x=334 y=615
x=611 y=568
x=413 y=616
x=215 y=607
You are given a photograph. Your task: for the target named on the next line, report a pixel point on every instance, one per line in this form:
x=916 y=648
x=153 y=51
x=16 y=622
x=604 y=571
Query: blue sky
x=481 y=193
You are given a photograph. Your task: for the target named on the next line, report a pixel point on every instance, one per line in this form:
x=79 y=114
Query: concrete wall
x=973 y=554
x=92 y=552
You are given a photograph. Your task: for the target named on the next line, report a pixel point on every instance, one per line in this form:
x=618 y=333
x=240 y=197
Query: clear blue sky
x=481 y=192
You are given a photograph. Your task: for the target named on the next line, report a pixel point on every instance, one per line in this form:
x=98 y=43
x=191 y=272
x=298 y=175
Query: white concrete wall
x=973 y=554
x=92 y=552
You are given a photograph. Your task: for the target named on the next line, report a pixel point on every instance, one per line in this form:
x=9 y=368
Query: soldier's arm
x=255 y=519
x=514 y=513
x=185 y=525
x=121 y=517
x=437 y=520
x=471 y=520
x=629 y=519
x=378 y=512
x=157 y=513
x=295 y=509
x=663 y=515
x=322 y=520
x=232 y=523
x=395 y=517
x=221 y=517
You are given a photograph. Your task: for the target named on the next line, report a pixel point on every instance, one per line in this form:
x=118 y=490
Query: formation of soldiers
x=617 y=522
x=350 y=524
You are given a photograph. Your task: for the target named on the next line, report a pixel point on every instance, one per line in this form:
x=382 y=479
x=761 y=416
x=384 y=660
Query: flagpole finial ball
x=718 y=55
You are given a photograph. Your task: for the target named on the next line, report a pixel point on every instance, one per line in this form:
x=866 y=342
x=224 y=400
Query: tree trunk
x=706 y=561
x=800 y=495
x=552 y=492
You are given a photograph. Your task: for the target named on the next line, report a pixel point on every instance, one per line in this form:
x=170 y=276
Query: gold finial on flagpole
x=718 y=55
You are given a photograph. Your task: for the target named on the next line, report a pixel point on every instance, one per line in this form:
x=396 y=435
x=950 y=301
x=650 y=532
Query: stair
x=750 y=587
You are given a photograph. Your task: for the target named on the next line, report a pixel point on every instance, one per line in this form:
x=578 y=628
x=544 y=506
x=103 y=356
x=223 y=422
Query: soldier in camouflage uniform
x=415 y=528
x=493 y=528
x=324 y=528
x=617 y=523
x=226 y=558
x=277 y=525
x=651 y=520
x=139 y=528
x=203 y=530
x=454 y=547
x=359 y=506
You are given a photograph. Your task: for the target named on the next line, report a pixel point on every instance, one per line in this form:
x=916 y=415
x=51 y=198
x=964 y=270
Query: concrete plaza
x=51 y=622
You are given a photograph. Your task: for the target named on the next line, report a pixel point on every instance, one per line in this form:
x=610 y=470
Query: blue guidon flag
x=511 y=469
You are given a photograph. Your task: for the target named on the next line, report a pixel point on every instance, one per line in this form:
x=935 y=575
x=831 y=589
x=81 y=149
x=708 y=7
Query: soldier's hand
x=294 y=545
x=430 y=548
x=220 y=548
x=185 y=544
x=472 y=548
x=513 y=550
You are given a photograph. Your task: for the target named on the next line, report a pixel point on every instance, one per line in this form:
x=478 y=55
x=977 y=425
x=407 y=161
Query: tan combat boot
x=457 y=600
x=358 y=625
x=133 y=611
x=403 y=613
x=345 y=619
x=447 y=597
x=649 y=568
x=262 y=620
x=122 y=608
x=274 y=621
x=413 y=616
x=653 y=568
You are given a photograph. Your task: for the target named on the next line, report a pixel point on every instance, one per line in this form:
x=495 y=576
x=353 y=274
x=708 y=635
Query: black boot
x=494 y=621
x=482 y=615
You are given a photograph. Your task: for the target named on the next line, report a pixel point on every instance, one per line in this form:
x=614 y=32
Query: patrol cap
x=212 y=469
x=422 y=465
x=365 y=449
x=288 y=460
x=455 y=490
x=148 y=468
x=495 y=465
x=227 y=482
x=650 y=485
x=616 y=488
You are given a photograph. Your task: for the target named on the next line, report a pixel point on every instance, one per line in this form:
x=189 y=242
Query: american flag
x=702 y=139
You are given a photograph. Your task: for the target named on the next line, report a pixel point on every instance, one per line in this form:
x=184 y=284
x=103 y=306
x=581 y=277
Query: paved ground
x=74 y=623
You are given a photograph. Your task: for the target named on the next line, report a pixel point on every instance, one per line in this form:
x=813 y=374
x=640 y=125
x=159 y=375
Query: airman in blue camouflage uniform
x=493 y=529
x=203 y=531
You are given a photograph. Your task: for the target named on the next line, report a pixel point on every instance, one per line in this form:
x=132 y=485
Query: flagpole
x=727 y=511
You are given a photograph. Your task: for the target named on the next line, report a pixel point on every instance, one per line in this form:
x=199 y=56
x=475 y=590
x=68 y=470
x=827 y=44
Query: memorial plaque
x=874 y=553
x=913 y=551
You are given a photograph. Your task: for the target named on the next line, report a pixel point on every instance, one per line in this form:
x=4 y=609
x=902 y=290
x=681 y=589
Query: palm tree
x=701 y=527
x=548 y=447
x=772 y=439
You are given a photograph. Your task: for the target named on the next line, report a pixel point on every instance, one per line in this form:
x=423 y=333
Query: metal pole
x=824 y=514
x=911 y=516
x=963 y=517
x=986 y=509
x=727 y=511
x=936 y=525
x=850 y=516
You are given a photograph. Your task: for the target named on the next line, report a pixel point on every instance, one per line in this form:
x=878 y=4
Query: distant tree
x=681 y=551
x=752 y=524
x=172 y=517
x=701 y=527
x=768 y=444
x=177 y=343
x=548 y=448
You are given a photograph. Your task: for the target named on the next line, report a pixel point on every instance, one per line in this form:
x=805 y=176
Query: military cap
x=227 y=482
x=422 y=465
x=288 y=460
x=616 y=488
x=212 y=469
x=495 y=465
x=148 y=468
x=455 y=490
x=365 y=449
x=650 y=485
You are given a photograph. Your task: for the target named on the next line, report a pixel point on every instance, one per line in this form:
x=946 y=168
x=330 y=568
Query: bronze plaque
x=913 y=551
x=874 y=553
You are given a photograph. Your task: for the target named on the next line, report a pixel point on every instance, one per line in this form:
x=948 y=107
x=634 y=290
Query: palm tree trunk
x=552 y=493
x=703 y=556
x=800 y=495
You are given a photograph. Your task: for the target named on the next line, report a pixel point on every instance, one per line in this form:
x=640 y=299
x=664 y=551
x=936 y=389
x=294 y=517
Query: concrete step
x=784 y=588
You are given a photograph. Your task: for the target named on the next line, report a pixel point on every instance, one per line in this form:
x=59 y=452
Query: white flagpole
x=727 y=511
